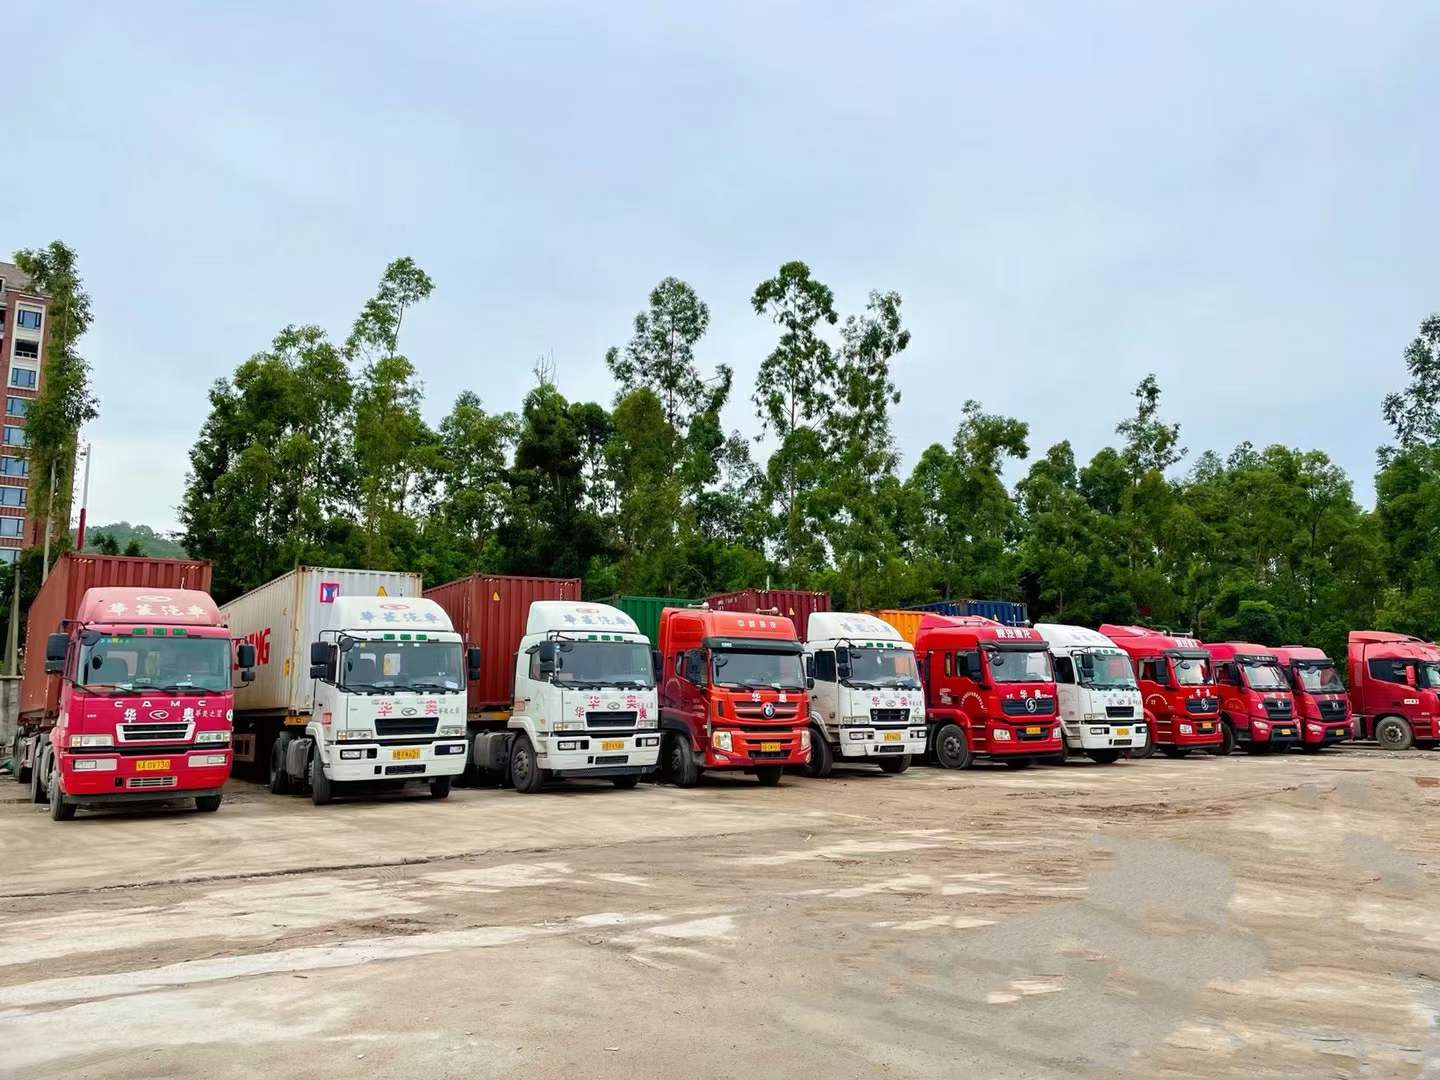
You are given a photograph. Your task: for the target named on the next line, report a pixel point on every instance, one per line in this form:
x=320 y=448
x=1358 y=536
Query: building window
x=23 y=377
x=10 y=526
x=28 y=319
x=8 y=555
x=27 y=350
x=12 y=496
x=15 y=436
x=14 y=466
x=17 y=406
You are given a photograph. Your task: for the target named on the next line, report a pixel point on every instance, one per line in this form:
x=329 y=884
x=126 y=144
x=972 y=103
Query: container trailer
x=1177 y=689
x=866 y=702
x=1100 y=707
x=1008 y=612
x=1257 y=709
x=1321 y=704
x=126 y=694
x=797 y=605
x=645 y=610
x=1395 y=689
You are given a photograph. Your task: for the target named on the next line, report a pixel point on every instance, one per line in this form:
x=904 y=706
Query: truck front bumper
x=1105 y=736
x=571 y=754
x=346 y=761
x=1318 y=733
x=1203 y=730
x=864 y=741
x=181 y=771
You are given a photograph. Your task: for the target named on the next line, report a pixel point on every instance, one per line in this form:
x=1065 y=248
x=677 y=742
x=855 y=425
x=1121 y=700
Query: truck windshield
x=599 y=664
x=1014 y=666
x=388 y=667
x=1106 y=670
x=175 y=665
x=1192 y=671
x=873 y=669
x=777 y=671
x=1263 y=676
x=1319 y=679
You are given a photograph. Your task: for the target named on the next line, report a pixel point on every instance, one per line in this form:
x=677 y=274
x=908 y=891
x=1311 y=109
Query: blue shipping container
x=1002 y=611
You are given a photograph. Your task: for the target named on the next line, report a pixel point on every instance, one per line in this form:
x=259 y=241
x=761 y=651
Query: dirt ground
x=1240 y=917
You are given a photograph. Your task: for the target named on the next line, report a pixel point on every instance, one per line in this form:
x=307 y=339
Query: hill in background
x=157 y=545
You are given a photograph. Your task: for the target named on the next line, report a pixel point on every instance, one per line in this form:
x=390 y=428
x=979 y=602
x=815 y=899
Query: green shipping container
x=645 y=610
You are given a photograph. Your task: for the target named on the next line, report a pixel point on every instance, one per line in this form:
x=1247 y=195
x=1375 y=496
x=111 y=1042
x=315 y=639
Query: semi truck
x=360 y=683
x=1100 y=710
x=989 y=690
x=1321 y=704
x=126 y=695
x=1177 y=691
x=733 y=695
x=866 y=701
x=1395 y=689
x=1257 y=709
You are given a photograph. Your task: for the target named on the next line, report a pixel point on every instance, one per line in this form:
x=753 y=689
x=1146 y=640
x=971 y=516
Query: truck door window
x=535 y=675
x=695 y=667
x=1064 y=669
x=1392 y=671
x=1191 y=671
x=825 y=666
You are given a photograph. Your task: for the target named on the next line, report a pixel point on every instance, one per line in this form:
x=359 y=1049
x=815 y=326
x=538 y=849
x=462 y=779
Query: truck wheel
x=626 y=783
x=769 y=775
x=440 y=787
x=822 y=760
x=1103 y=757
x=1176 y=752
x=40 y=775
x=526 y=776
x=1393 y=733
x=61 y=808
x=320 y=793
x=895 y=765
x=22 y=776
x=952 y=749
x=1019 y=762
x=279 y=778
x=1147 y=748
x=1227 y=740
x=207 y=804
x=679 y=761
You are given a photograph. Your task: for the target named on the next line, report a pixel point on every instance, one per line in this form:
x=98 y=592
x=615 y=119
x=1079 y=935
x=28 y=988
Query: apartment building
x=23 y=316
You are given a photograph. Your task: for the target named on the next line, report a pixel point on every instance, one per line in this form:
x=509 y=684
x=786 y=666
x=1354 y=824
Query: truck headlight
x=353 y=734
x=452 y=729
x=1187 y=729
x=646 y=722
x=567 y=725
x=1095 y=718
x=804 y=738
x=212 y=736
x=79 y=741
x=1260 y=726
x=106 y=764
x=1001 y=734
x=723 y=741
x=213 y=759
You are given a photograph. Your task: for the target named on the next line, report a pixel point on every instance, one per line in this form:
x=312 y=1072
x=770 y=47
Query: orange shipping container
x=907 y=622
x=59 y=599
x=490 y=610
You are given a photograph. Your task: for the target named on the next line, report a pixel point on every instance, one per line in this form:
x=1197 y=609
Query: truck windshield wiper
x=368 y=688
x=432 y=686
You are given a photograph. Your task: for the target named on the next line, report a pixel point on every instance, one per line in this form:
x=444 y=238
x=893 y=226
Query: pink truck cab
x=1257 y=709
x=1321 y=704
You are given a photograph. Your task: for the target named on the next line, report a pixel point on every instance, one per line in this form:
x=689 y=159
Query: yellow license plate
x=1122 y=732
x=1032 y=731
x=1286 y=731
x=159 y=764
x=892 y=736
x=770 y=748
x=1205 y=729
x=613 y=744
x=410 y=753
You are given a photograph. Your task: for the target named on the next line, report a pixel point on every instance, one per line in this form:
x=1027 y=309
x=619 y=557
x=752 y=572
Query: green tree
x=105 y=544
x=660 y=355
x=1414 y=412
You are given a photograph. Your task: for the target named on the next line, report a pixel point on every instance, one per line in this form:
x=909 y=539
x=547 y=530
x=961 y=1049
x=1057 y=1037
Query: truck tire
x=769 y=775
x=952 y=748
x=895 y=765
x=40 y=775
x=22 y=776
x=1227 y=739
x=526 y=776
x=822 y=759
x=320 y=793
x=1393 y=733
x=626 y=783
x=1103 y=757
x=1147 y=748
x=279 y=778
x=61 y=808
x=207 y=804
x=440 y=787
x=679 y=761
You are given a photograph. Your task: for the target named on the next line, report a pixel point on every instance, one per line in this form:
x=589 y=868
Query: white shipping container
x=282 y=617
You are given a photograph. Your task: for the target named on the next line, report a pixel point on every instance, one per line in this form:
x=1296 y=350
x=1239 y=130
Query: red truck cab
x=733 y=695
x=1395 y=689
x=1257 y=708
x=989 y=690
x=1321 y=703
x=1177 y=687
x=145 y=704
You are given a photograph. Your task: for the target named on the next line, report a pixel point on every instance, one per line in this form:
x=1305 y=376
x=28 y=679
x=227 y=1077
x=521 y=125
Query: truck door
x=1072 y=709
x=1155 y=689
x=1389 y=686
x=825 y=697
x=1233 y=700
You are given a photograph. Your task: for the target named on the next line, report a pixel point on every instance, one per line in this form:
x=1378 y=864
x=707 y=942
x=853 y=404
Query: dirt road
x=1239 y=917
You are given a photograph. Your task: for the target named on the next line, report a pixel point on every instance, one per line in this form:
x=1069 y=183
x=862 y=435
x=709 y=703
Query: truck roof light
x=389 y=637
x=140 y=631
x=404 y=637
x=178 y=631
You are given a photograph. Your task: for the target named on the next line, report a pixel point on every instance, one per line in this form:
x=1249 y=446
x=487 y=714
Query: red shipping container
x=795 y=604
x=59 y=598
x=490 y=610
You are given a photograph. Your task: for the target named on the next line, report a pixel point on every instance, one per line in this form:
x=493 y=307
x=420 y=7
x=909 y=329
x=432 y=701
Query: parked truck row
x=137 y=686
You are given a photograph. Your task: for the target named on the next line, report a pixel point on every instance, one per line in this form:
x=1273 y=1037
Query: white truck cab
x=389 y=699
x=866 y=701
x=585 y=701
x=1100 y=710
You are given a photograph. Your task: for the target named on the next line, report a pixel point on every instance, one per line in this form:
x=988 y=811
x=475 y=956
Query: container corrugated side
x=59 y=598
x=1002 y=611
x=645 y=610
x=490 y=610
x=795 y=604
x=906 y=622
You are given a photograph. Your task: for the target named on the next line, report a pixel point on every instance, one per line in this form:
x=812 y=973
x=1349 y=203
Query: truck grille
x=150 y=782
x=1278 y=710
x=754 y=710
x=764 y=755
x=1120 y=712
x=404 y=770
x=1025 y=736
x=611 y=759
x=1332 y=708
x=610 y=719
x=405 y=725
x=1202 y=705
x=154 y=732
x=1044 y=706
x=894 y=717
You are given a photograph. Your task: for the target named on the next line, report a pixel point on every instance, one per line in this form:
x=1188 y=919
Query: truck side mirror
x=56 y=646
x=809 y=682
x=472 y=662
x=319 y=652
x=810 y=667
x=546 y=655
x=843 y=668
x=323 y=656
x=657 y=665
x=245 y=655
x=247 y=675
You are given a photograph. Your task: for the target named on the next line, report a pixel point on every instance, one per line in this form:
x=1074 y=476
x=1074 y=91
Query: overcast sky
x=1240 y=197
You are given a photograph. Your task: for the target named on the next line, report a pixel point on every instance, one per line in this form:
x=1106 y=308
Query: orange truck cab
x=1395 y=689
x=989 y=691
x=1321 y=704
x=733 y=695
x=1177 y=688
x=1257 y=708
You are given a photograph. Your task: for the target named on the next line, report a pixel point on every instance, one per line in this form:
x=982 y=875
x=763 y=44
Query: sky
x=1241 y=198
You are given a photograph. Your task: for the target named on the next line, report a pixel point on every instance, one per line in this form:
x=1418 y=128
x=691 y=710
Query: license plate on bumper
x=771 y=748
x=153 y=765
x=612 y=744
x=893 y=736
x=409 y=753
